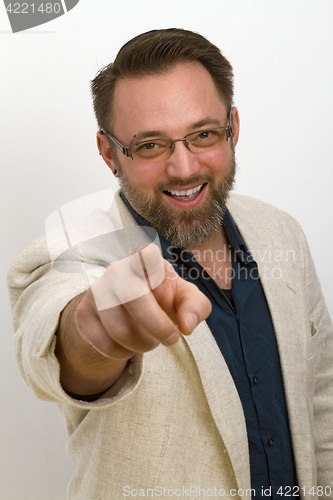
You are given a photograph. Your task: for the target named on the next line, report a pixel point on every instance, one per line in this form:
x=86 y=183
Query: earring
x=115 y=171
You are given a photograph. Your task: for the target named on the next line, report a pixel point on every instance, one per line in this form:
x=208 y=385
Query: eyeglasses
x=162 y=149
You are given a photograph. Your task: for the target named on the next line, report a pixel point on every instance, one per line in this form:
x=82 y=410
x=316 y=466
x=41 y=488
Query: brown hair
x=158 y=51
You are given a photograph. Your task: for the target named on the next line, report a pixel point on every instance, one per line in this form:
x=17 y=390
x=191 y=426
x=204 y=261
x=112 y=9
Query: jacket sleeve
x=322 y=333
x=38 y=294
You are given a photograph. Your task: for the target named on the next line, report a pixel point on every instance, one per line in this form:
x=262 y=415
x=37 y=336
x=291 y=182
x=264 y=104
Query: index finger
x=192 y=306
x=183 y=301
x=148 y=314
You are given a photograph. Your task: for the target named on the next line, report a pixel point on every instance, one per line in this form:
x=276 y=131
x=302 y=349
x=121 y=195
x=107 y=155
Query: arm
x=322 y=334
x=94 y=345
x=84 y=370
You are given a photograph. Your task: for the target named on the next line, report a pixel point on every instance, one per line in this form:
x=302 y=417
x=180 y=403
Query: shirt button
x=255 y=380
x=270 y=442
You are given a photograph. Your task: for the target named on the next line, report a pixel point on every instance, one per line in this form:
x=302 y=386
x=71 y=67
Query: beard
x=186 y=228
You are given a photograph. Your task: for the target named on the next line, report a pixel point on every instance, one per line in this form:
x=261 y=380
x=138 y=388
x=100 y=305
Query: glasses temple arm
x=230 y=128
x=123 y=149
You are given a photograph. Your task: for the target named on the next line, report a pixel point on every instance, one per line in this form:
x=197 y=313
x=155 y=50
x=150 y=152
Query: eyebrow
x=146 y=134
x=149 y=134
x=204 y=122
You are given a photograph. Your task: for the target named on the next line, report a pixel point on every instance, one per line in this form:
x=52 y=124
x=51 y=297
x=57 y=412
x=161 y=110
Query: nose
x=182 y=163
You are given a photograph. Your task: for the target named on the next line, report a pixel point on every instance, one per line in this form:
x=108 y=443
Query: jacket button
x=270 y=442
x=255 y=380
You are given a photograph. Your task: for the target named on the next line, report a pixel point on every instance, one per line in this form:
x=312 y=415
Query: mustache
x=177 y=183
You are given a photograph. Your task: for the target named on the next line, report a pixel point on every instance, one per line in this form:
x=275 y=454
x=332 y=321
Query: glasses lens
x=207 y=139
x=151 y=149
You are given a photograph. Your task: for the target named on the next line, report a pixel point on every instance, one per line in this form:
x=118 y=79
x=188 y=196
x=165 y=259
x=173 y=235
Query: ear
x=235 y=124
x=105 y=151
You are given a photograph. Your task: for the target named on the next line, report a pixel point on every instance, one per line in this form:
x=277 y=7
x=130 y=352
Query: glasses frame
x=127 y=151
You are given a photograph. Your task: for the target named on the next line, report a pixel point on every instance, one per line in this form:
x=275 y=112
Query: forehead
x=169 y=101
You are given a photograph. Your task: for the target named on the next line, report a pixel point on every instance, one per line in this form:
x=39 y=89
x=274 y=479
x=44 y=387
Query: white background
x=282 y=57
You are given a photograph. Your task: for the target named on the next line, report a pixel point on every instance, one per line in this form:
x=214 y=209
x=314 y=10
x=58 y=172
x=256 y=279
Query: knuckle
x=108 y=348
x=123 y=335
x=161 y=332
x=148 y=345
x=134 y=339
x=111 y=352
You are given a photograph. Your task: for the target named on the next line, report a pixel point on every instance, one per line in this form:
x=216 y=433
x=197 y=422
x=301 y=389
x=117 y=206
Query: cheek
x=146 y=176
x=216 y=160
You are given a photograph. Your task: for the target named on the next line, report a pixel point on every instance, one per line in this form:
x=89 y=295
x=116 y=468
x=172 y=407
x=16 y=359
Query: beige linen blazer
x=173 y=426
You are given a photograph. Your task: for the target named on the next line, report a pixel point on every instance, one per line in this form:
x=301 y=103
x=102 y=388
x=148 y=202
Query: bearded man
x=218 y=379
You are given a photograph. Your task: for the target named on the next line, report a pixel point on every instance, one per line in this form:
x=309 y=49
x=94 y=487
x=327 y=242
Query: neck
x=210 y=248
x=214 y=256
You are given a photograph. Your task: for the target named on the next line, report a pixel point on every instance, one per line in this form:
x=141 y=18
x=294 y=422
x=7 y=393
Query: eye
x=150 y=149
x=205 y=134
x=150 y=145
x=203 y=137
x=208 y=138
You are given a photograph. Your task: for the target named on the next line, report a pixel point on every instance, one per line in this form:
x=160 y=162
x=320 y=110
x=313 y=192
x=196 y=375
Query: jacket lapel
x=223 y=400
x=278 y=276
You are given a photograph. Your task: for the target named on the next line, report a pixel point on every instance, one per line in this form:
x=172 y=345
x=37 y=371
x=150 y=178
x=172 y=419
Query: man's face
x=172 y=105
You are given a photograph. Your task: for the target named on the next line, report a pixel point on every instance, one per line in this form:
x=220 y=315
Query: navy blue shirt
x=242 y=327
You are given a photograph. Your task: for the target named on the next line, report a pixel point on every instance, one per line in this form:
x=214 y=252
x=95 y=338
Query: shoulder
x=257 y=220
x=252 y=209
x=240 y=204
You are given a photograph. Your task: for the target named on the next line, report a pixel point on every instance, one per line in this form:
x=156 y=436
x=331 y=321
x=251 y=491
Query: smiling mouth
x=185 y=195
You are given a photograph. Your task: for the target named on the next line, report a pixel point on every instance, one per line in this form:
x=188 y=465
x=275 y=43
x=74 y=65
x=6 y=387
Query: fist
x=138 y=303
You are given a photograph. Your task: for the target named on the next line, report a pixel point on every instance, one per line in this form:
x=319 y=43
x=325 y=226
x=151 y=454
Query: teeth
x=189 y=192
